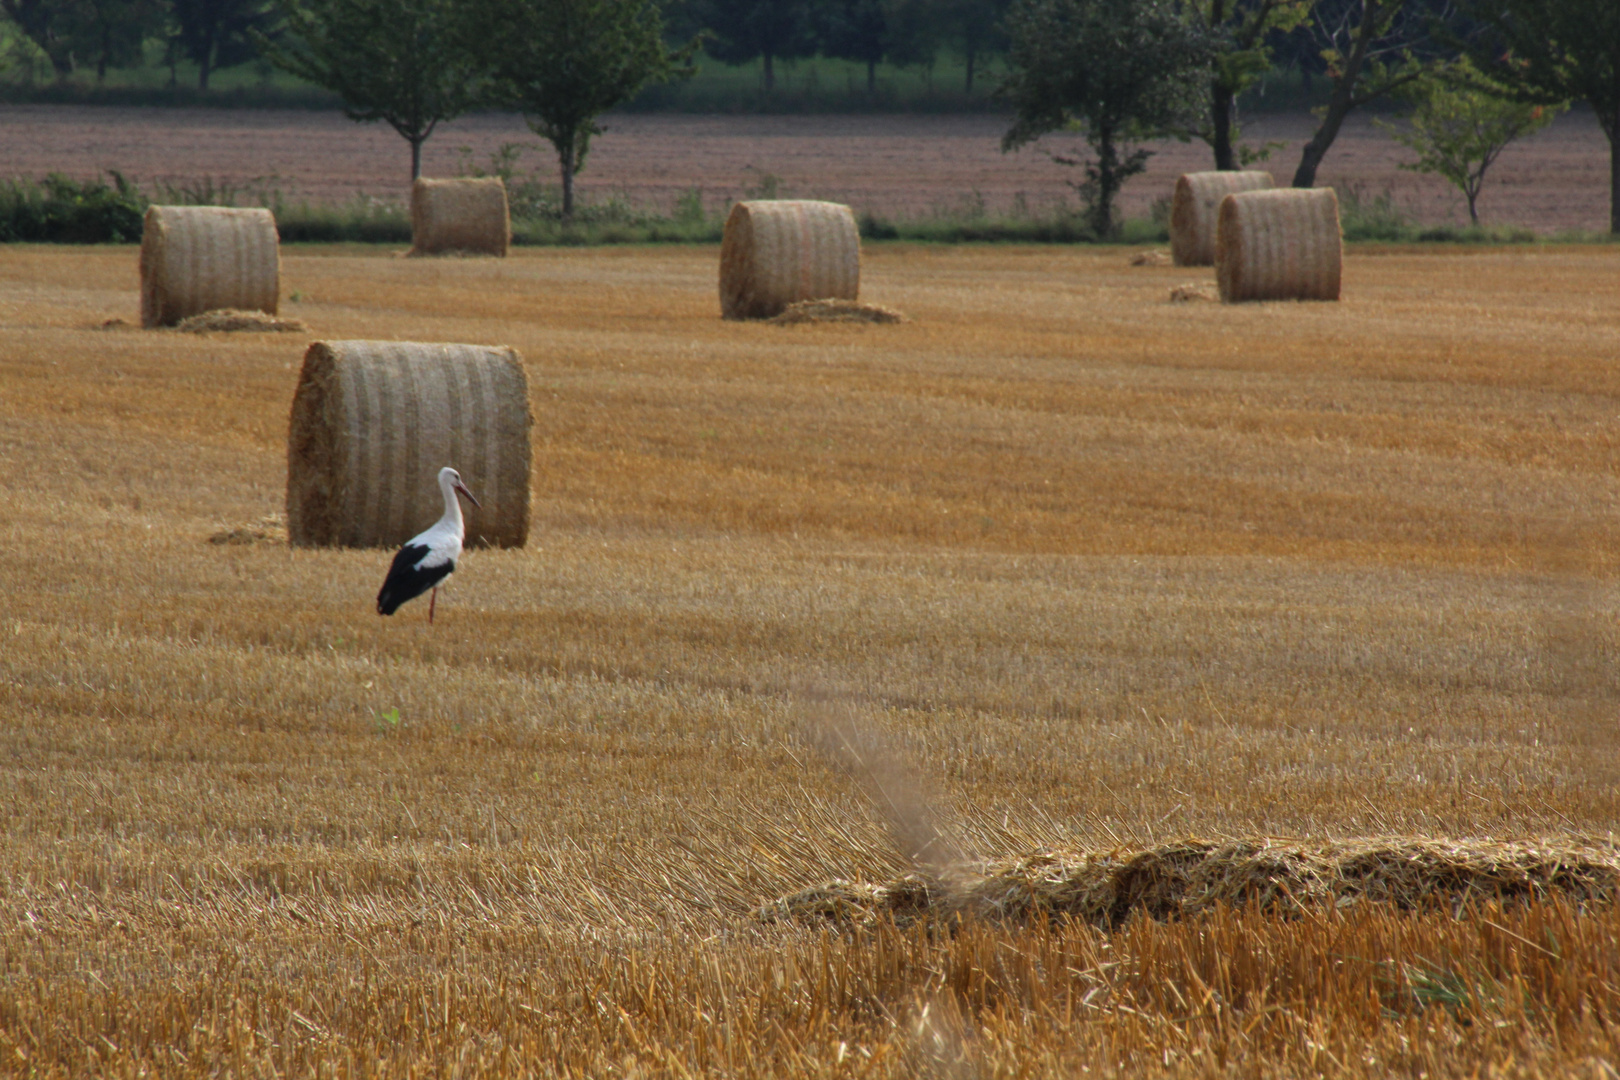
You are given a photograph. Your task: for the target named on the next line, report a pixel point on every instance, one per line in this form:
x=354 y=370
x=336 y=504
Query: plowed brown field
x=894 y=165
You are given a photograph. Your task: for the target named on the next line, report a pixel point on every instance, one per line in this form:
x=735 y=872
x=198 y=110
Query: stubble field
x=1094 y=572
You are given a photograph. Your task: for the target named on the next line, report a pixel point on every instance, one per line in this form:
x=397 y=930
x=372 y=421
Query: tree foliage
x=1245 y=32
x=99 y=33
x=1558 y=50
x=974 y=31
x=404 y=62
x=740 y=31
x=1120 y=71
x=216 y=34
x=44 y=22
x=1461 y=122
x=562 y=63
x=1371 y=48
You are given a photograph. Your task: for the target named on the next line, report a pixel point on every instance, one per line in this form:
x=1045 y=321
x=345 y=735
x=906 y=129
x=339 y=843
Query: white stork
x=429 y=557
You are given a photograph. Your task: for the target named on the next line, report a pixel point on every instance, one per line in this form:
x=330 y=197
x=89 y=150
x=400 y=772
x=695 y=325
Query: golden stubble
x=1102 y=570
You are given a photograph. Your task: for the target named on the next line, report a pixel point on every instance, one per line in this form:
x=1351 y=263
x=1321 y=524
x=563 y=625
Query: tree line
x=1477 y=72
x=1121 y=73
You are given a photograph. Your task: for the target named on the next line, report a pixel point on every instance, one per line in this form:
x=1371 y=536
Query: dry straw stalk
x=779 y=252
x=1283 y=244
x=468 y=216
x=374 y=421
x=1194 y=209
x=201 y=258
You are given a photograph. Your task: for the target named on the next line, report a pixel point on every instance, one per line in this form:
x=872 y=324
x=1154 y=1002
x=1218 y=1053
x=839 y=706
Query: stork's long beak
x=463 y=489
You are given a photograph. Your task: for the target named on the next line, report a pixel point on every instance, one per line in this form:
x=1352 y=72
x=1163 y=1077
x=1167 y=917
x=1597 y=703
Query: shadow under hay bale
x=374 y=421
x=777 y=252
x=835 y=311
x=230 y=321
x=205 y=258
x=1182 y=880
x=465 y=216
x=1194 y=210
x=1283 y=244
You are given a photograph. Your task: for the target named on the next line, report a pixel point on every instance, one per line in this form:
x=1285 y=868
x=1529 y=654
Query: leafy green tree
x=1460 y=123
x=914 y=32
x=1245 y=31
x=562 y=63
x=973 y=30
x=1558 y=50
x=403 y=62
x=216 y=34
x=1372 y=49
x=1122 y=71
x=872 y=31
x=114 y=31
x=740 y=31
x=73 y=33
x=46 y=23
x=859 y=30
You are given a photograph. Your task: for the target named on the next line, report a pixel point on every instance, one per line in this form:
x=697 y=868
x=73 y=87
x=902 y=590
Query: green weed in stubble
x=387 y=722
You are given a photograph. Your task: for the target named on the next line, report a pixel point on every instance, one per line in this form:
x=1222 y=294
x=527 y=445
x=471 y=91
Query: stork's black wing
x=407 y=578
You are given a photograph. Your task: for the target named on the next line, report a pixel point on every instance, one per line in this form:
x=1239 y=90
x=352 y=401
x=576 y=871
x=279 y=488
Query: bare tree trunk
x=770 y=73
x=1102 y=213
x=567 y=159
x=1614 y=175
x=972 y=55
x=871 y=76
x=1343 y=99
x=1220 y=114
x=1339 y=107
x=416 y=159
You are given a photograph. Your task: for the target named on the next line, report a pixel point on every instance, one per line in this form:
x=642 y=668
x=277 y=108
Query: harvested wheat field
x=1060 y=682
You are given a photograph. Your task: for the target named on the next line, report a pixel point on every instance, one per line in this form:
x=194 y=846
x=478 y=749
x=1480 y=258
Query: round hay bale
x=1193 y=210
x=200 y=258
x=1283 y=244
x=468 y=216
x=778 y=252
x=374 y=421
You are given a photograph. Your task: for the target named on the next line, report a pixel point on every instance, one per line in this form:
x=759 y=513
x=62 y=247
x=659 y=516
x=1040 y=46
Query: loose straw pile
x=1184 y=879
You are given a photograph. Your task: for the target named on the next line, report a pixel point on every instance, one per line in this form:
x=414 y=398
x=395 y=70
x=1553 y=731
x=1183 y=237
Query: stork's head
x=453 y=478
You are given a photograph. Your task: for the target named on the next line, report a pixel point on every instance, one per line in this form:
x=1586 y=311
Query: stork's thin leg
x=432 y=600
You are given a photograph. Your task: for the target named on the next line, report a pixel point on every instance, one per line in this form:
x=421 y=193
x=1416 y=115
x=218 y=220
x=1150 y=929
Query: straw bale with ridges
x=1283 y=244
x=467 y=215
x=779 y=252
x=1195 y=207
x=200 y=258
x=374 y=421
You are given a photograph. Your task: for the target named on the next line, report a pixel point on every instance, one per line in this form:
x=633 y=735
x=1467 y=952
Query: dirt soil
x=894 y=165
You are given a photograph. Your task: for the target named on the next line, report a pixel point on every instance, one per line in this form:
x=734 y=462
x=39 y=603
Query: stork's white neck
x=452 y=505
